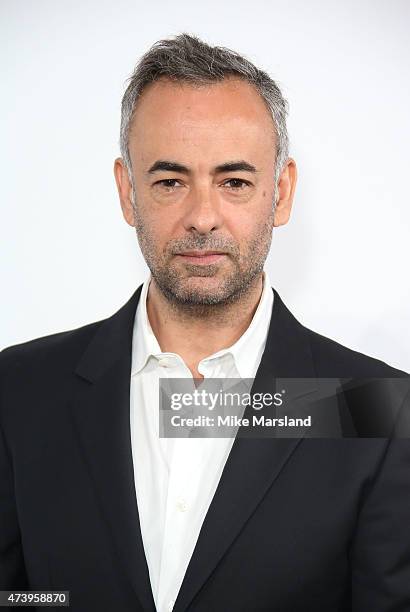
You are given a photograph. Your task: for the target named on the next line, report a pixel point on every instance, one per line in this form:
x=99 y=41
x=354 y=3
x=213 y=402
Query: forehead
x=228 y=113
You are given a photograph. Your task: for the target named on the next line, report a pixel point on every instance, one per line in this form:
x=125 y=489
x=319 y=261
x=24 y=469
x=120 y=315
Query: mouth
x=201 y=257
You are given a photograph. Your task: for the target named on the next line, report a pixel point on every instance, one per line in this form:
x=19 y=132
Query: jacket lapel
x=100 y=412
x=253 y=463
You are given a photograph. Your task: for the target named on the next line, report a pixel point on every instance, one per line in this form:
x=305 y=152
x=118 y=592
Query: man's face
x=203 y=162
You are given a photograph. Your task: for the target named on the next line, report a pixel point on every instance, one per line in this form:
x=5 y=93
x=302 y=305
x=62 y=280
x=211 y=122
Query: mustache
x=203 y=243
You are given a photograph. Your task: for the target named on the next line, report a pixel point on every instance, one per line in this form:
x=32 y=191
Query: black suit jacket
x=295 y=524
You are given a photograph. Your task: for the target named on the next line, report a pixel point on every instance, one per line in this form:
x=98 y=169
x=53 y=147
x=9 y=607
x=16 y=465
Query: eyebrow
x=236 y=166
x=171 y=166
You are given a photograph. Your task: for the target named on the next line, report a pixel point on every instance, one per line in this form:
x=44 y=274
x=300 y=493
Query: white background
x=341 y=264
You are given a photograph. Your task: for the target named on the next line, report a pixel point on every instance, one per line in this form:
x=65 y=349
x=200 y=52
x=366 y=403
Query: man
x=92 y=500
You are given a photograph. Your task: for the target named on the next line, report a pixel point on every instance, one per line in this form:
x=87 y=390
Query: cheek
x=162 y=221
x=156 y=230
x=250 y=224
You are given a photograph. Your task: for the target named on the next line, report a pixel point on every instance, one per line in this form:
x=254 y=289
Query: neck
x=197 y=331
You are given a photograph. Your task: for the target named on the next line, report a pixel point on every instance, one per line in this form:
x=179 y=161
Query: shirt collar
x=246 y=351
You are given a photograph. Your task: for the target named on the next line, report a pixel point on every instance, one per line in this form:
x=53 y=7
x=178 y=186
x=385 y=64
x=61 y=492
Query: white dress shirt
x=176 y=478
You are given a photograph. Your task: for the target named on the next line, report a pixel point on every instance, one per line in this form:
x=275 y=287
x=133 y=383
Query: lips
x=202 y=257
x=200 y=253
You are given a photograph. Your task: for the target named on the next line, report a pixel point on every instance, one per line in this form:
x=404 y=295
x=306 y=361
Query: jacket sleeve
x=380 y=552
x=12 y=569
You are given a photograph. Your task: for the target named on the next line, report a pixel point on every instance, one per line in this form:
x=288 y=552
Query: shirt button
x=182 y=505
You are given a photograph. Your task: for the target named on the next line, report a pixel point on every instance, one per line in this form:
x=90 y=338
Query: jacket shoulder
x=54 y=348
x=333 y=359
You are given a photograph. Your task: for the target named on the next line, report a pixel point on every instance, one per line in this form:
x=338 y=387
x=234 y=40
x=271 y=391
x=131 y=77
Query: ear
x=124 y=187
x=286 y=190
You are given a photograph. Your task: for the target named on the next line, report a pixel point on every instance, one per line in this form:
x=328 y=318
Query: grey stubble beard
x=235 y=288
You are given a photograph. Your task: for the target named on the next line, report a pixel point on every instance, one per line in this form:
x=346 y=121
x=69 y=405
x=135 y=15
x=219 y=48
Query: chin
x=202 y=291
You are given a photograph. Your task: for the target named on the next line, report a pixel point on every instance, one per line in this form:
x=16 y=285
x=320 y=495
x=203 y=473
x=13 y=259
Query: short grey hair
x=187 y=58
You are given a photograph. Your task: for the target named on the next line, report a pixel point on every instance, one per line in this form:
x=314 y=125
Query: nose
x=203 y=212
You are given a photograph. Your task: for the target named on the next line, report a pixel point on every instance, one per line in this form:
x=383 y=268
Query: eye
x=169 y=184
x=236 y=184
